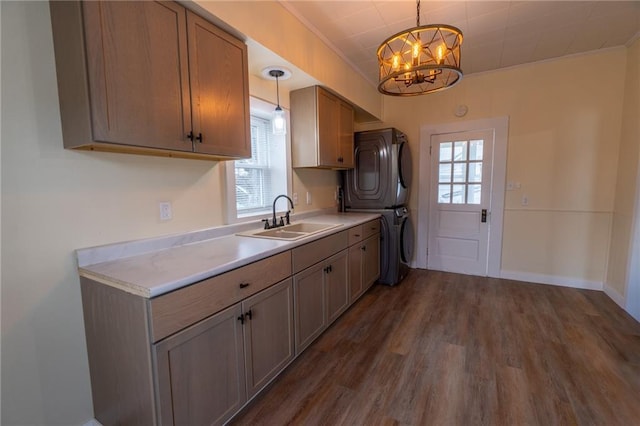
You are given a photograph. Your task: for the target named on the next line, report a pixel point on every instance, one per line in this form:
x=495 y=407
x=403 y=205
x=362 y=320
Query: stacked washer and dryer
x=380 y=183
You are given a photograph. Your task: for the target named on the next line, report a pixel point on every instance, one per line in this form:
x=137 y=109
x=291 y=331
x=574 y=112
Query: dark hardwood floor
x=448 y=349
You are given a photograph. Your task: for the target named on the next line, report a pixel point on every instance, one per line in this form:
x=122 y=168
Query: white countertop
x=156 y=266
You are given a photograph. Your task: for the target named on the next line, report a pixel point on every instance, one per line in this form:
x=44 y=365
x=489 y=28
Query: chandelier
x=420 y=60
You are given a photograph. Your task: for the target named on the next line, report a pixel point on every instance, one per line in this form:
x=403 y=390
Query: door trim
x=500 y=125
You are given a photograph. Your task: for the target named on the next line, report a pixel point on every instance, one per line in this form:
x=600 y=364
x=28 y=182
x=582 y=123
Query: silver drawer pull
x=244 y=285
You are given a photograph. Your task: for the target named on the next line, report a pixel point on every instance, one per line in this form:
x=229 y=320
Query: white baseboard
x=92 y=422
x=614 y=295
x=551 y=280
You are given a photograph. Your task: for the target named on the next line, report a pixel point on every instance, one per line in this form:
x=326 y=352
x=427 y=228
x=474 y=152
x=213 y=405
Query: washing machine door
x=406 y=240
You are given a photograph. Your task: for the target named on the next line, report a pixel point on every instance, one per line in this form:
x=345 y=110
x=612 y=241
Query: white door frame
x=500 y=125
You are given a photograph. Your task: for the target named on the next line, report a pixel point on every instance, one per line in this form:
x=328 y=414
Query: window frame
x=261 y=109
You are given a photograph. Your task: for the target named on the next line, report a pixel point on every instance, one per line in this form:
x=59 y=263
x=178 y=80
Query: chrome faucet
x=274 y=221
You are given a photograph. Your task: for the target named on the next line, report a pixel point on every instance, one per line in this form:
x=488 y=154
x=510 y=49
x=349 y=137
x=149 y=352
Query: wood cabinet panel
x=371 y=261
x=219 y=90
x=268 y=334
x=356 y=286
x=309 y=306
x=313 y=252
x=345 y=137
x=337 y=285
x=321 y=129
x=120 y=361
x=132 y=75
x=127 y=43
x=201 y=372
x=174 y=311
x=370 y=228
x=328 y=131
x=364 y=257
x=355 y=234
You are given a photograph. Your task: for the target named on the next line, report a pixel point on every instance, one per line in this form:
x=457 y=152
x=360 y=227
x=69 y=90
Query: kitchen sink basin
x=290 y=232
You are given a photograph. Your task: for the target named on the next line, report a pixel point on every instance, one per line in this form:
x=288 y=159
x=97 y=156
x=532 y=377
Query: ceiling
x=497 y=34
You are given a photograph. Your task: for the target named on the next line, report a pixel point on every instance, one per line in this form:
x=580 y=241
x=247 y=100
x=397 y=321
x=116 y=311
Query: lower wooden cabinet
x=356 y=285
x=268 y=334
x=364 y=260
x=207 y=372
x=197 y=355
x=337 y=285
x=201 y=371
x=309 y=306
x=370 y=261
x=321 y=295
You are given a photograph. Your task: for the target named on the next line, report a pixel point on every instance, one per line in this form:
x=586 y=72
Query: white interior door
x=460 y=204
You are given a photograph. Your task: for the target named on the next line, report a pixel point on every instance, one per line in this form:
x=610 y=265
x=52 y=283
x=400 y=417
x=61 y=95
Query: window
x=460 y=172
x=253 y=183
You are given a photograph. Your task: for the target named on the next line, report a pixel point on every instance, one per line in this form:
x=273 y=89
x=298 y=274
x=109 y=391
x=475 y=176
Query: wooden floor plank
x=448 y=349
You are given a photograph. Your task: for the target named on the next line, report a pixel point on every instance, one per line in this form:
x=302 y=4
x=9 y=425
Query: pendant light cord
x=417 y=13
x=277 y=91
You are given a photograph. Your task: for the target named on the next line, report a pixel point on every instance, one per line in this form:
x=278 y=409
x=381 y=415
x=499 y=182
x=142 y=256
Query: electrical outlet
x=308 y=198
x=165 y=211
x=295 y=198
x=525 y=200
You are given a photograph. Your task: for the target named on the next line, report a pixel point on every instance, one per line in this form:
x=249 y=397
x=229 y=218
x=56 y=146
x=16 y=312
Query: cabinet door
x=309 y=305
x=356 y=286
x=345 y=143
x=371 y=261
x=337 y=285
x=328 y=131
x=136 y=55
x=201 y=376
x=219 y=90
x=268 y=334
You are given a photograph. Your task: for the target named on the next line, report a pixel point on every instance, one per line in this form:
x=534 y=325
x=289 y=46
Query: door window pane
x=474 y=194
x=444 y=194
x=475 y=172
x=460 y=151
x=445 y=151
x=475 y=150
x=459 y=172
x=445 y=173
x=457 y=195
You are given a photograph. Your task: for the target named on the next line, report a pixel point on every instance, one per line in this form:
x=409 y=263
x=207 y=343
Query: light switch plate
x=165 y=211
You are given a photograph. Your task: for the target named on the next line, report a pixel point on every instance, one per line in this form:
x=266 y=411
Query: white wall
x=622 y=277
x=564 y=135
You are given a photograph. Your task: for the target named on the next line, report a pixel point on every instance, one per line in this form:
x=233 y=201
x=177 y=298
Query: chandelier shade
x=422 y=59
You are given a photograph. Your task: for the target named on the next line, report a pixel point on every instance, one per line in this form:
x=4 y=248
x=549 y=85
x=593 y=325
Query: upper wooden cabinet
x=149 y=78
x=321 y=129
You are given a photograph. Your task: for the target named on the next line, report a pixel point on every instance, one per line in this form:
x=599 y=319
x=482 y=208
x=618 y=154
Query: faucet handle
x=281 y=221
x=286 y=216
x=266 y=223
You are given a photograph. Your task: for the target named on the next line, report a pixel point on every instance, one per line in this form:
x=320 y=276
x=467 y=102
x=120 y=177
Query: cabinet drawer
x=355 y=234
x=174 y=311
x=311 y=253
x=370 y=228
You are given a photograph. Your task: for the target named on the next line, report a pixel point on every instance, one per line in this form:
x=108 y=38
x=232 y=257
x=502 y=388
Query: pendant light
x=420 y=60
x=278 y=120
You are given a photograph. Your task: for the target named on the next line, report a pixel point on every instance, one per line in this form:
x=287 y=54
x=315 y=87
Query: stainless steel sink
x=290 y=232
